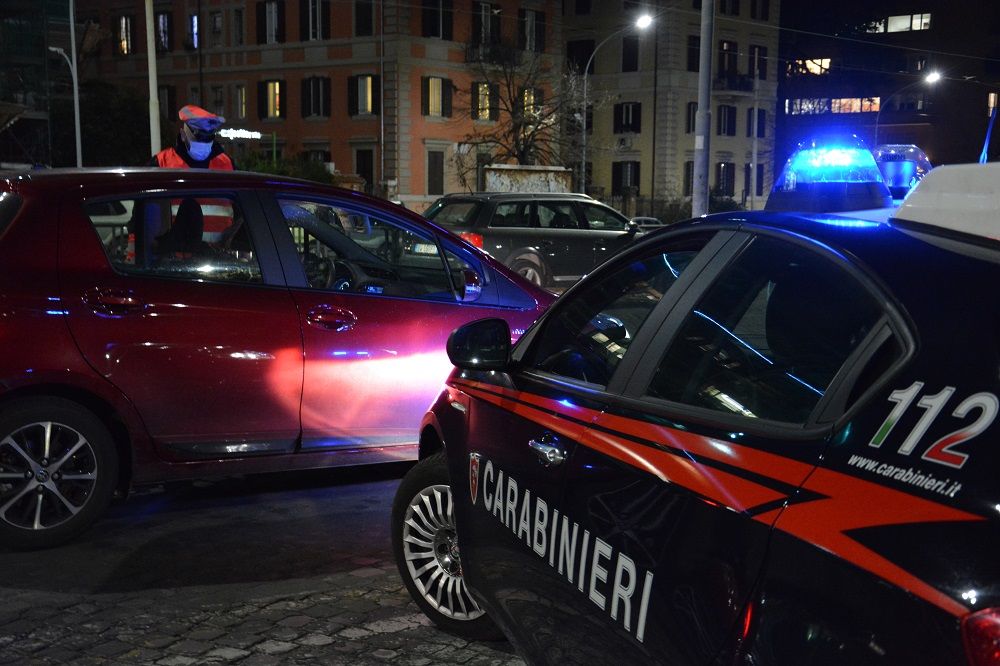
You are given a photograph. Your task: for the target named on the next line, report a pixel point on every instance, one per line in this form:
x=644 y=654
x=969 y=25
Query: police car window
x=350 y=250
x=195 y=238
x=768 y=337
x=589 y=333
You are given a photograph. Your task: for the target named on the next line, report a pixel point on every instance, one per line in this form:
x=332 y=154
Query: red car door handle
x=331 y=319
x=113 y=302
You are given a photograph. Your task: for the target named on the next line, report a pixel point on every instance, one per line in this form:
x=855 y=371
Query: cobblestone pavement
x=281 y=569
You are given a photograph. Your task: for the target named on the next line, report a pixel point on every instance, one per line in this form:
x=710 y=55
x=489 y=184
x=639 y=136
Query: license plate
x=424 y=248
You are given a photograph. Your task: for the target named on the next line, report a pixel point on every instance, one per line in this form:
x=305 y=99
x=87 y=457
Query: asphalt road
x=273 y=569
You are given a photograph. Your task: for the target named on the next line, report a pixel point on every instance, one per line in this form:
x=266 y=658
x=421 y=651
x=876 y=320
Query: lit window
x=365 y=94
x=193 y=31
x=163 y=31
x=813 y=66
x=528 y=102
x=124 y=35
x=240 y=101
x=274 y=99
x=991 y=103
x=484 y=107
x=905 y=23
x=434 y=97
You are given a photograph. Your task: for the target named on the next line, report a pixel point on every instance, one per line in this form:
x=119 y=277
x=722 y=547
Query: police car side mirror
x=471 y=287
x=480 y=345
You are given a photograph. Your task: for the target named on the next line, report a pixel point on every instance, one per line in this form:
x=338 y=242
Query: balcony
x=739 y=84
x=492 y=54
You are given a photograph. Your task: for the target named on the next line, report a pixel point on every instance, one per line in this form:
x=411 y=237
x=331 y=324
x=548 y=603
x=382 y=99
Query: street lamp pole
x=76 y=100
x=641 y=23
x=930 y=79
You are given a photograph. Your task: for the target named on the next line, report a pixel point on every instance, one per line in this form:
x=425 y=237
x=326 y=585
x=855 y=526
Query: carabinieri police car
x=752 y=438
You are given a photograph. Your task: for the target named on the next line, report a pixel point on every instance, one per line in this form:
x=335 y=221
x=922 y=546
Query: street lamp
x=76 y=101
x=641 y=23
x=930 y=79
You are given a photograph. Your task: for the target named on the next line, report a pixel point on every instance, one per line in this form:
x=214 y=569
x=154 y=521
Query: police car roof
x=960 y=197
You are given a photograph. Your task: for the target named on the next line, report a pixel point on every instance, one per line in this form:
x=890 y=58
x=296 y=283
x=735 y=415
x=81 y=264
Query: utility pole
x=154 y=101
x=703 y=119
x=755 y=130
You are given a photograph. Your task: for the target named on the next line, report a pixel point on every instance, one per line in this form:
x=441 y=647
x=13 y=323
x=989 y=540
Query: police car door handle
x=548 y=450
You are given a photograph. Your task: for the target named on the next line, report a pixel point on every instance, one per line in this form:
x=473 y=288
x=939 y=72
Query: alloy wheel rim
x=48 y=472
x=532 y=275
x=432 y=557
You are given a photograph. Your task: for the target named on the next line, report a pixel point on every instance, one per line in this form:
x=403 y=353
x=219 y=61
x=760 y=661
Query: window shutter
x=305 y=98
x=494 y=101
x=427 y=19
x=425 y=96
x=325 y=100
x=637 y=119
x=170 y=32
x=761 y=123
x=171 y=100
x=618 y=118
x=447 y=18
x=522 y=38
x=262 y=99
x=494 y=24
x=539 y=98
x=376 y=95
x=540 y=31
x=635 y=176
x=281 y=21
x=303 y=20
x=324 y=13
x=282 y=99
x=475 y=100
x=616 y=178
x=261 y=22
x=477 y=25
x=749 y=120
x=446 y=91
x=731 y=122
x=352 y=95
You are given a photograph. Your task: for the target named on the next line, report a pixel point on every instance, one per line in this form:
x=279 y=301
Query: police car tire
x=426 y=480
x=82 y=448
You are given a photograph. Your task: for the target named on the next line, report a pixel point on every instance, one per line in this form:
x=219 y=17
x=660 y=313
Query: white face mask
x=199 y=151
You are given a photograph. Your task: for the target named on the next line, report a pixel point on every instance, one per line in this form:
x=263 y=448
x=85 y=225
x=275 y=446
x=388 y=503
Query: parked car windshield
x=453 y=213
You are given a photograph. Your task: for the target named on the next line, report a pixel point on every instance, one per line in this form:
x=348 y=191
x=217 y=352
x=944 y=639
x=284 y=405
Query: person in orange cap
x=196 y=147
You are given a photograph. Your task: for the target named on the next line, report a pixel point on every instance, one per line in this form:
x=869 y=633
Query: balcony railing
x=495 y=54
x=733 y=83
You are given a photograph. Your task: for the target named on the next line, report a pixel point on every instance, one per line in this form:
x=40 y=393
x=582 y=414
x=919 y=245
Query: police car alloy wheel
x=427 y=555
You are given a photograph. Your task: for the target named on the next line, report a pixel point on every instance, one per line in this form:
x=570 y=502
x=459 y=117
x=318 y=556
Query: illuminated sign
x=230 y=133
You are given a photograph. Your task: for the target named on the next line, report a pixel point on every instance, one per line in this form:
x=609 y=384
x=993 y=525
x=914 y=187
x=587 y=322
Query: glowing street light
x=641 y=23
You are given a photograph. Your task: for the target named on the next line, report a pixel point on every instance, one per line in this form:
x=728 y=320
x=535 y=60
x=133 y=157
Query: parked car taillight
x=981 y=634
x=475 y=239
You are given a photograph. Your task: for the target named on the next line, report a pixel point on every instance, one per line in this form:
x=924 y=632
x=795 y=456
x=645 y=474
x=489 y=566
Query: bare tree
x=533 y=104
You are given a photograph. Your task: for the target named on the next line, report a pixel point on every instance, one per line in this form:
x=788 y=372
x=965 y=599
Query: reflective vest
x=169 y=158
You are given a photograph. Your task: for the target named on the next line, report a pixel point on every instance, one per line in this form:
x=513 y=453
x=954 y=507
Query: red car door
x=209 y=352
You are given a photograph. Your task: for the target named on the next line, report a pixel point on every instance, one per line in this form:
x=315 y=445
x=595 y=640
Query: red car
x=161 y=324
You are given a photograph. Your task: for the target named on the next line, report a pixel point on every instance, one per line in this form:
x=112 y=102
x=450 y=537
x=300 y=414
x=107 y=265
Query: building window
x=692 y=117
x=759 y=185
x=218 y=101
x=363 y=95
x=485 y=101
x=271 y=99
x=902 y=23
x=240 y=101
x=435 y=172
x=624 y=175
x=760 y=10
x=688 y=187
x=578 y=52
x=854 y=105
x=758 y=57
x=438 y=16
x=364 y=166
x=531 y=101
x=809 y=106
x=364 y=18
x=270 y=22
x=164 y=31
x=194 y=31
x=124 y=36
x=237 y=27
x=761 y=116
x=215 y=29
x=630 y=53
x=728 y=59
x=435 y=97
x=311 y=19
x=485 y=23
x=991 y=103
x=725 y=178
x=315 y=97
x=531 y=32
x=694 y=53
x=730 y=7
x=726 y=124
x=167 y=98
x=628 y=117
x=809 y=67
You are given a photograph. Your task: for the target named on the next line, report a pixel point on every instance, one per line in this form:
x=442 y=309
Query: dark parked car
x=166 y=324
x=550 y=239
x=754 y=438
